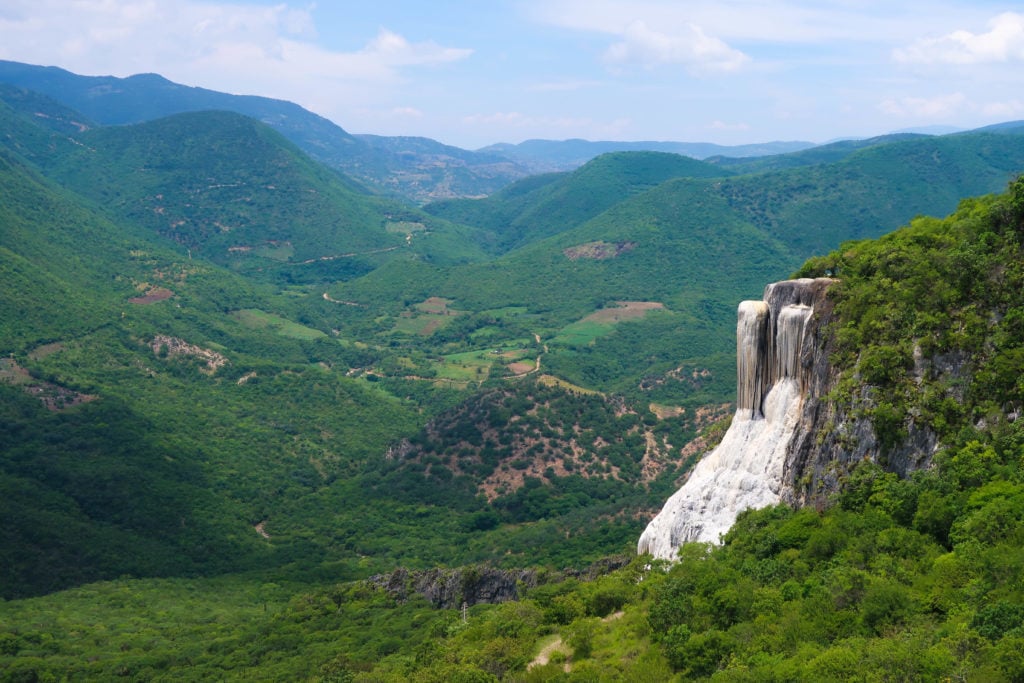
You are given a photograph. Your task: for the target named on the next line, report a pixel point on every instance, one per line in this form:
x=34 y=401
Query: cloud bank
x=1003 y=42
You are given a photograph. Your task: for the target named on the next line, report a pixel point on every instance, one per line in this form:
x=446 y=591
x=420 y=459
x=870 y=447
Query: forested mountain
x=542 y=206
x=235 y=385
x=141 y=377
x=231 y=189
x=909 y=579
x=423 y=171
x=546 y=156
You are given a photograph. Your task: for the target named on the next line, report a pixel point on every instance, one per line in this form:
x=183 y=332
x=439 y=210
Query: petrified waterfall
x=748 y=467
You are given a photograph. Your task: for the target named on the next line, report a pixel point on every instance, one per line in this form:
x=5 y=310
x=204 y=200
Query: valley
x=237 y=384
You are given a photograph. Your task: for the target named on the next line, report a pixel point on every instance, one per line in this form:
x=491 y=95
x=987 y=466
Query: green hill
x=894 y=579
x=232 y=190
x=165 y=412
x=389 y=165
x=695 y=245
x=539 y=207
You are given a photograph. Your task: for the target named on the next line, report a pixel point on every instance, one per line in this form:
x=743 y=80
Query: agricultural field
x=256 y=319
x=603 y=321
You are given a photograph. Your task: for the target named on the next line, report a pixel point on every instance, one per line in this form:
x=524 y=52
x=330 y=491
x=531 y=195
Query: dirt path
x=260 y=530
x=557 y=645
x=327 y=297
x=350 y=254
x=544 y=656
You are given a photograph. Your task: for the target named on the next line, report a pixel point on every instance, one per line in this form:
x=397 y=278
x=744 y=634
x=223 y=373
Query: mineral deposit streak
x=746 y=469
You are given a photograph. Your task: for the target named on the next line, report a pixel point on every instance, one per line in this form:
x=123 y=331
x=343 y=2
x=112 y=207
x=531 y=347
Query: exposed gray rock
x=816 y=439
x=450 y=588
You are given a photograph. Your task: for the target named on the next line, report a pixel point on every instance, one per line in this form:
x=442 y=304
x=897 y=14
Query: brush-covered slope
x=234 y=191
x=536 y=208
x=913 y=578
x=822 y=154
x=149 y=419
x=389 y=165
x=688 y=247
x=165 y=416
x=546 y=156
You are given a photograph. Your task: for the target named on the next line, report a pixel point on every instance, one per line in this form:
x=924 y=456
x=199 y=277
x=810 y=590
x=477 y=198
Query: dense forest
x=259 y=423
x=897 y=579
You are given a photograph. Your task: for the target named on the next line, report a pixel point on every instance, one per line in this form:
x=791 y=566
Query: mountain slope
x=546 y=156
x=145 y=97
x=913 y=578
x=694 y=245
x=539 y=207
x=233 y=190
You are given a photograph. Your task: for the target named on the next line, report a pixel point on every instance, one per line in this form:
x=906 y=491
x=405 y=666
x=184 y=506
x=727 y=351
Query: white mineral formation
x=746 y=469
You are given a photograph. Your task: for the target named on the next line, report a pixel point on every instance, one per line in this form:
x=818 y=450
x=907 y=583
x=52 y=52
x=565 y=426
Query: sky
x=475 y=72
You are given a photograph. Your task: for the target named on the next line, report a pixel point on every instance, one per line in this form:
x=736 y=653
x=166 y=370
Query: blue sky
x=471 y=73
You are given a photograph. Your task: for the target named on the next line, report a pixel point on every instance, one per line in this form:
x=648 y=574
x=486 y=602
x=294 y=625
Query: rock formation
x=782 y=369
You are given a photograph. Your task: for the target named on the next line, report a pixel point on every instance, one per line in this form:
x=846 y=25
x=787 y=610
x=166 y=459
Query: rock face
x=781 y=361
x=450 y=588
x=787 y=443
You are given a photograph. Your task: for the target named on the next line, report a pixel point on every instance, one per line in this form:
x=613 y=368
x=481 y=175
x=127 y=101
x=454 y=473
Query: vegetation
x=206 y=451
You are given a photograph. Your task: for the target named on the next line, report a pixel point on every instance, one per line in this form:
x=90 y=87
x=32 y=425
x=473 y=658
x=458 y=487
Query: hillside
x=912 y=578
x=390 y=166
x=178 y=418
x=547 y=156
x=236 y=193
x=540 y=207
x=694 y=245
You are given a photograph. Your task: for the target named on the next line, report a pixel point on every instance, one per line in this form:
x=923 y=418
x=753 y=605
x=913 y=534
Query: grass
x=603 y=321
x=275 y=251
x=426 y=317
x=404 y=227
x=435 y=305
x=470 y=366
x=552 y=381
x=423 y=325
x=255 y=319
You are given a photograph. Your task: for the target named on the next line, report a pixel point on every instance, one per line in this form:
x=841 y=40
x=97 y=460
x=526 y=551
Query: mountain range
x=234 y=373
x=418 y=168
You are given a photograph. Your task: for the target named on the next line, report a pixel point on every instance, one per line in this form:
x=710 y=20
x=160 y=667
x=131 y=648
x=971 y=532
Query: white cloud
x=689 y=46
x=770 y=21
x=1003 y=110
x=1003 y=42
x=941 y=107
x=240 y=48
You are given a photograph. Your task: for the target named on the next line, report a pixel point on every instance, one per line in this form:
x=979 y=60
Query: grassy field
x=404 y=227
x=276 y=251
x=552 y=381
x=603 y=321
x=256 y=319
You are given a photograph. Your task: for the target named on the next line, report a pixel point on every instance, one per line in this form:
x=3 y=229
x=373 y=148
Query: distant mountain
x=930 y=130
x=421 y=172
x=544 y=205
x=1012 y=127
x=425 y=169
x=586 y=240
x=234 y=191
x=542 y=156
x=822 y=154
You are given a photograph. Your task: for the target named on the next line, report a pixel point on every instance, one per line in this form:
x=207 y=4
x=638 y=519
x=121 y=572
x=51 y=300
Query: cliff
x=786 y=442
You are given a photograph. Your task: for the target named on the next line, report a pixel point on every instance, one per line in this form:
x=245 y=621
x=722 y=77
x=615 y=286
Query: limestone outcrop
x=786 y=443
x=780 y=361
